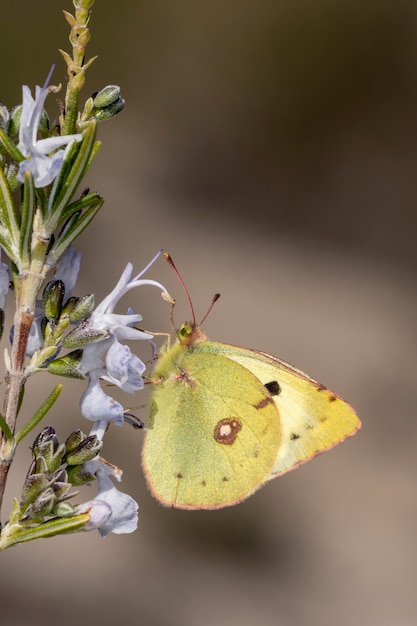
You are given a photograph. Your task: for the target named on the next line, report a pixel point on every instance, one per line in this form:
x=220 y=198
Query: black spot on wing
x=294 y=436
x=273 y=388
x=331 y=397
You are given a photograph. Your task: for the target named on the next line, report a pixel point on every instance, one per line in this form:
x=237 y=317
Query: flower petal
x=68 y=269
x=124 y=517
x=123 y=368
x=43 y=168
x=99 y=512
x=95 y=405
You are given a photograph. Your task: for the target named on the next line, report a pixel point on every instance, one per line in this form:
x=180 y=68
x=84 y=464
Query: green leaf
x=8 y=214
x=7 y=245
x=40 y=413
x=83 y=203
x=6 y=430
x=56 y=526
x=69 y=179
x=10 y=147
x=60 y=180
x=71 y=233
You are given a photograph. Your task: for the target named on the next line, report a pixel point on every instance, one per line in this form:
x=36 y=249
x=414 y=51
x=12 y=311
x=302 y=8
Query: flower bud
x=15 y=115
x=67 y=365
x=83 y=335
x=49 y=450
x=47 y=433
x=101 y=115
x=106 y=96
x=64 y=509
x=61 y=489
x=87 y=450
x=43 y=505
x=79 y=476
x=38 y=466
x=33 y=486
x=69 y=307
x=104 y=104
x=4 y=117
x=53 y=296
x=73 y=440
x=82 y=308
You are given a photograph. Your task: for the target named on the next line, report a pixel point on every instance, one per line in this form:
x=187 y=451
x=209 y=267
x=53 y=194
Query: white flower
x=124 y=509
x=44 y=168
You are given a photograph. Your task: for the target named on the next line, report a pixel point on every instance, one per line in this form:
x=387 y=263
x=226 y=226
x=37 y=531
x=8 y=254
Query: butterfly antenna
x=187 y=293
x=213 y=302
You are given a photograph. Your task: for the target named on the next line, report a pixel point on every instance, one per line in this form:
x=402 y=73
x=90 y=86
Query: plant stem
x=28 y=286
x=79 y=38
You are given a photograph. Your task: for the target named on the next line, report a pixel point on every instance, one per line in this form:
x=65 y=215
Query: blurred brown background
x=271 y=147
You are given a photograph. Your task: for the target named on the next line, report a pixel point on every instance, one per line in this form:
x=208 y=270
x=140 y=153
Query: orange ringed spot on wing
x=226 y=431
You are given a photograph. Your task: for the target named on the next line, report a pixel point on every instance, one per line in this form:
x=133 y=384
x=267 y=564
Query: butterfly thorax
x=171 y=359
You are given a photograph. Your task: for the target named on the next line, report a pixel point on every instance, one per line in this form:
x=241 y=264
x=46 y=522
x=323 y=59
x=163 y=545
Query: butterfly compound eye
x=185 y=331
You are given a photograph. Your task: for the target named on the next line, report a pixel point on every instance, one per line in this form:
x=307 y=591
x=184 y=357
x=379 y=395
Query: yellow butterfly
x=225 y=420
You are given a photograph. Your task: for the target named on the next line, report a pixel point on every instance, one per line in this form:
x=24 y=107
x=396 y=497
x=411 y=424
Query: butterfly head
x=190 y=334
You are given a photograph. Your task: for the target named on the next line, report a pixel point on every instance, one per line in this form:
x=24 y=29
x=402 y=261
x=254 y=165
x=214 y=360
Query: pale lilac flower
x=99 y=512
x=123 y=368
x=35 y=339
x=68 y=269
x=44 y=168
x=124 y=509
x=95 y=404
x=108 y=358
